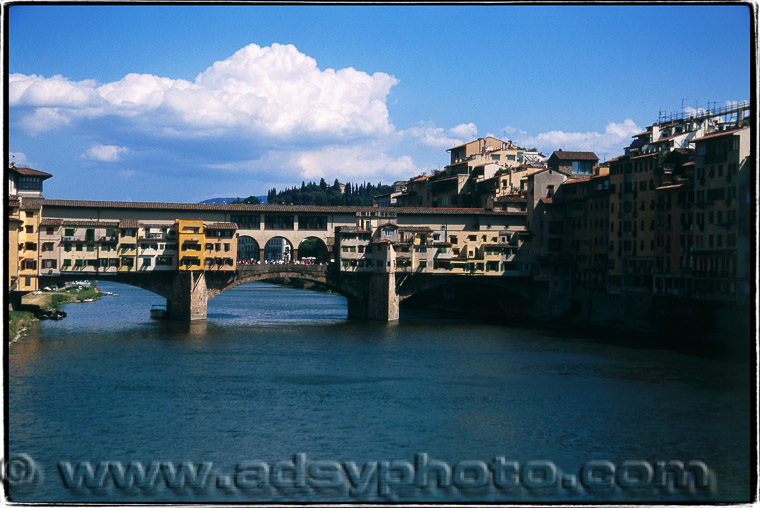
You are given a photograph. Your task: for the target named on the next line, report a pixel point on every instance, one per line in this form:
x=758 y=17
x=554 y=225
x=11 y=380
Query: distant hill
x=224 y=201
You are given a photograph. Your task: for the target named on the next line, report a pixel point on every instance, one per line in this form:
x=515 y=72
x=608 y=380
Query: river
x=275 y=372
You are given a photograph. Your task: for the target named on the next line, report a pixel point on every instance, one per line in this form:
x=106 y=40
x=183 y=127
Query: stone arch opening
x=248 y=250
x=277 y=249
x=313 y=249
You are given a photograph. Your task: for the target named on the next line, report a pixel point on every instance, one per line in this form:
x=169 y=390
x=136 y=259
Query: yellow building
x=15 y=225
x=28 y=245
x=191 y=239
x=221 y=246
x=126 y=247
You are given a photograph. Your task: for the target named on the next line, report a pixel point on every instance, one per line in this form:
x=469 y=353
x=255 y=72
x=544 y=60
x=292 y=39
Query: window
x=226 y=247
x=146 y=262
x=312 y=222
x=246 y=221
x=79 y=247
x=278 y=222
x=90 y=247
x=68 y=232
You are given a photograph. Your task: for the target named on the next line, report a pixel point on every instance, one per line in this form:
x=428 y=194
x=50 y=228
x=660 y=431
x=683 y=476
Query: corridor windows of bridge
x=247 y=250
x=279 y=222
x=308 y=222
x=246 y=221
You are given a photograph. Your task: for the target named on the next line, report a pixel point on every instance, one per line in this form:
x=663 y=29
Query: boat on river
x=51 y=314
x=157 y=311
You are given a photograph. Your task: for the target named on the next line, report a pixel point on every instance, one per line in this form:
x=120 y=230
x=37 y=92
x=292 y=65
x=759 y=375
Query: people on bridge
x=304 y=261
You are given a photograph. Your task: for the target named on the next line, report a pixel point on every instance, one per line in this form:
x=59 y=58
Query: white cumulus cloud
x=430 y=135
x=611 y=142
x=275 y=92
x=104 y=153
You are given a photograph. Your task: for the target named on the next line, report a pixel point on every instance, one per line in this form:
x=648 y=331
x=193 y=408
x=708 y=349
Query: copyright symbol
x=21 y=469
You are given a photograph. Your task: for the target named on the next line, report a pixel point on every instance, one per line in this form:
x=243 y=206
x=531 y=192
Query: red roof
x=645 y=155
x=30 y=172
x=640 y=134
x=718 y=134
x=546 y=200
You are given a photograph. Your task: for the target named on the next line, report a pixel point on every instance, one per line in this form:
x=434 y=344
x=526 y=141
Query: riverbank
x=21 y=319
x=18 y=322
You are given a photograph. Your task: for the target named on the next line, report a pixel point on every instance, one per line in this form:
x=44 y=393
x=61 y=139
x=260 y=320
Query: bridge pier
x=189 y=298
x=381 y=300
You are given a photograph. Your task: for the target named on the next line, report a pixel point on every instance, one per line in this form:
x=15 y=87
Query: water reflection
x=275 y=371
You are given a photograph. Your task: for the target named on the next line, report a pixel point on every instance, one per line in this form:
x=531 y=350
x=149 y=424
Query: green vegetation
x=68 y=295
x=18 y=320
x=313 y=247
x=323 y=194
x=250 y=200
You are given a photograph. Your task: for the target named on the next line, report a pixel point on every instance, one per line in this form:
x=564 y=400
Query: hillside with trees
x=323 y=194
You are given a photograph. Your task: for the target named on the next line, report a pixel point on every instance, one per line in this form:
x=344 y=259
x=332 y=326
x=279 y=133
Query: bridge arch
x=444 y=284
x=159 y=284
x=278 y=248
x=290 y=272
x=248 y=249
x=314 y=247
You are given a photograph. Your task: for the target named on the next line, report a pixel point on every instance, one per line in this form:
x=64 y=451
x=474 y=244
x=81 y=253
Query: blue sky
x=184 y=103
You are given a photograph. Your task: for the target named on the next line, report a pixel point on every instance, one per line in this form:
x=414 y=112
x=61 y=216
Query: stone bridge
x=370 y=295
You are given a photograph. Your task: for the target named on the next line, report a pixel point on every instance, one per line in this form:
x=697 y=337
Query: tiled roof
x=30 y=172
x=221 y=225
x=89 y=223
x=690 y=163
x=563 y=155
x=31 y=204
x=212 y=207
x=415 y=229
x=641 y=134
x=51 y=222
x=546 y=200
x=617 y=158
x=445 y=179
x=645 y=155
x=386 y=224
x=129 y=224
x=718 y=134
